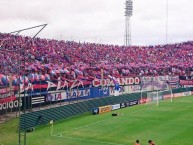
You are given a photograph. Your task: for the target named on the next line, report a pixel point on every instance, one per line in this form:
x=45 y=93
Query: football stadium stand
x=42 y=59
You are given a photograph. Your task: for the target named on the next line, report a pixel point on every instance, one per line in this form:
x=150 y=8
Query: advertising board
x=168 y=96
x=155 y=98
x=187 y=93
x=95 y=111
x=123 y=105
x=115 y=107
x=104 y=109
x=132 y=103
x=178 y=95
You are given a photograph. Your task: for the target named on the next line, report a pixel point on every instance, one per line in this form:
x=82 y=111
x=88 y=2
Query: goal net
x=156 y=96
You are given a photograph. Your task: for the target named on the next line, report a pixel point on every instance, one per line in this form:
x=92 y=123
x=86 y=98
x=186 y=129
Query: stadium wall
x=43 y=117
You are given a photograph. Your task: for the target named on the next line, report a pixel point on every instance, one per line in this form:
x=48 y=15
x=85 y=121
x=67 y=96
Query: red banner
x=186 y=82
x=4 y=90
x=7 y=99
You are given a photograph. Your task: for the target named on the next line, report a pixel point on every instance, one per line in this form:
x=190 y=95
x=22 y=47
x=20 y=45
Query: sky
x=100 y=21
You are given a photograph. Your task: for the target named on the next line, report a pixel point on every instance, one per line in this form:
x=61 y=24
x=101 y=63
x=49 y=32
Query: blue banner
x=99 y=92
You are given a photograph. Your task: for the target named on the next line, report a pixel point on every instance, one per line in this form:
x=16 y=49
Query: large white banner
x=154 y=83
x=134 y=89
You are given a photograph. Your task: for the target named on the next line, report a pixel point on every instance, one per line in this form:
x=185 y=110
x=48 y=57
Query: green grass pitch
x=166 y=124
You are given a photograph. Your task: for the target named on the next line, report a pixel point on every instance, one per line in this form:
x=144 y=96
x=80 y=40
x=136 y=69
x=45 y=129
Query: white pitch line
x=88 y=140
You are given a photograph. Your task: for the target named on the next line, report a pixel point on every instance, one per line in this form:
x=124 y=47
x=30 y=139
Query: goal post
x=157 y=95
x=171 y=95
x=153 y=97
x=143 y=97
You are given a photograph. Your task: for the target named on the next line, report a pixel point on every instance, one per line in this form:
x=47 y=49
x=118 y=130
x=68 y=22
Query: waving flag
x=5 y=80
x=115 y=81
x=15 y=80
x=51 y=122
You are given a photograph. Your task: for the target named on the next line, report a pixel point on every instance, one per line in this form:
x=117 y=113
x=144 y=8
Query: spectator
x=77 y=60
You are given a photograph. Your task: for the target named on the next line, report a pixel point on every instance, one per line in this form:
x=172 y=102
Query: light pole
x=128 y=14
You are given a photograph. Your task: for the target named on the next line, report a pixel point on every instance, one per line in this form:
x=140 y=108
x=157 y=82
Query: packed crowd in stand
x=73 y=60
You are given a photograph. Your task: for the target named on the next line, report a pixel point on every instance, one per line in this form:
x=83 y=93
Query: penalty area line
x=87 y=140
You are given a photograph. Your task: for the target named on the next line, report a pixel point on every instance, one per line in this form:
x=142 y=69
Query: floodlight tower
x=128 y=14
